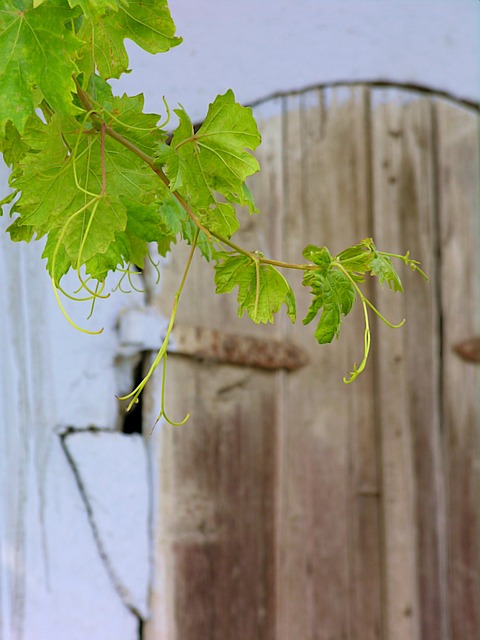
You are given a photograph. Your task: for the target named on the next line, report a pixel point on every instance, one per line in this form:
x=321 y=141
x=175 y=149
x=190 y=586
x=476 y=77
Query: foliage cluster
x=102 y=180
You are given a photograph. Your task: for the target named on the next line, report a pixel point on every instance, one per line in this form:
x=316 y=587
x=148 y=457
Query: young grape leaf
x=214 y=160
x=125 y=115
x=262 y=290
x=144 y=221
x=381 y=266
x=320 y=256
x=227 y=131
x=333 y=293
x=36 y=50
x=357 y=260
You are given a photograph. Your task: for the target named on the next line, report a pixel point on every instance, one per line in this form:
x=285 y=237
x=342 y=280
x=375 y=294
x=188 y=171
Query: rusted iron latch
x=143 y=329
x=469 y=349
x=220 y=346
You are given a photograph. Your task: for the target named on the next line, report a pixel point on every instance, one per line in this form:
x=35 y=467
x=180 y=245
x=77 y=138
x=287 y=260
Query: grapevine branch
x=255 y=257
x=100 y=205
x=99 y=124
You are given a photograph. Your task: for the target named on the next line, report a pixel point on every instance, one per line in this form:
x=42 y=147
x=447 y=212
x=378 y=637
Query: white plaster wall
x=53 y=583
x=260 y=47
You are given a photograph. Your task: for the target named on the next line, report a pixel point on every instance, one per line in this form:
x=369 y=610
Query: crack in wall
x=116 y=583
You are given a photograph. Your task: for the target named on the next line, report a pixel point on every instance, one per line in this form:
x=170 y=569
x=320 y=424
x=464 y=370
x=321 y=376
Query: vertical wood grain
x=293 y=506
x=215 y=533
x=458 y=185
x=408 y=362
x=330 y=568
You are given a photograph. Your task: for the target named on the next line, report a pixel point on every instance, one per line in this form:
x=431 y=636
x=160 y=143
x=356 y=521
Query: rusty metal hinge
x=143 y=329
x=469 y=349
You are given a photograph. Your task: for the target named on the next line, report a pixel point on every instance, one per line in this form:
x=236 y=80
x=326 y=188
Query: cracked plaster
x=112 y=473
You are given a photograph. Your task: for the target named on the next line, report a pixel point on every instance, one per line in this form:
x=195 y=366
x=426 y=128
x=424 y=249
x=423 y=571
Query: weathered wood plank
x=364 y=473
x=459 y=198
x=408 y=372
x=330 y=544
x=396 y=439
x=293 y=506
x=216 y=534
x=294 y=604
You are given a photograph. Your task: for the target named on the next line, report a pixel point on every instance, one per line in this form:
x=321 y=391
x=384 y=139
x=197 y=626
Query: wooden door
x=291 y=506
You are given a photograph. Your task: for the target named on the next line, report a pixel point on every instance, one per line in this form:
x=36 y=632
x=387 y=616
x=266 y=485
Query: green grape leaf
x=172 y=215
x=381 y=266
x=62 y=263
x=214 y=162
x=60 y=187
x=118 y=254
x=113 y=254
x=176 y=221
x=333 y=295
x=144 y=221
x=147 y=223
x=8 y=199
x=246 y=199
x=148 y=24
x=125 y=115
x=12 y=146
x=357 y=260
x=221 y=219
x=30 y=39
x=332 y=290
x=228 y=130
x=20 y=232
x=320 y=256
x=96 y=8
x=262 y=290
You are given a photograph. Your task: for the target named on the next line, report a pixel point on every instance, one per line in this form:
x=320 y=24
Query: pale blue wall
x=258 y=47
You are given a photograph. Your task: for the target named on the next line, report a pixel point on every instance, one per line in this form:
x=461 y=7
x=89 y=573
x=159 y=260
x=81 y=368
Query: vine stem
x=100 y=124
x=365 y=300
x=133 y=395
x=367 y=334
x=366 y=348
x=257 y=290
x=413 y=264
x=54 y=260
x=163 y=413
